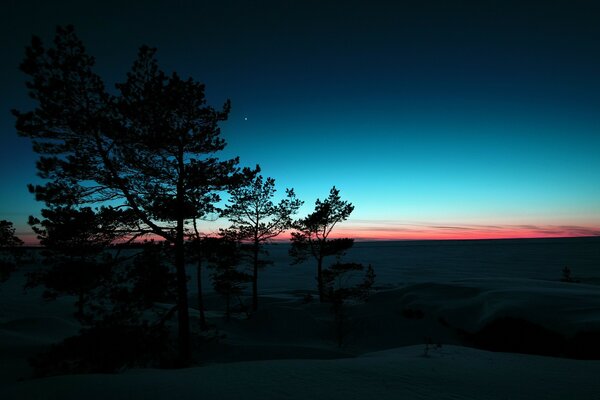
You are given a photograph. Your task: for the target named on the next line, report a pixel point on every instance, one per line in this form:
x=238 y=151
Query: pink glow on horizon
x=459 y=232
x=466 y=232
x=418 y=232
x=450 y=235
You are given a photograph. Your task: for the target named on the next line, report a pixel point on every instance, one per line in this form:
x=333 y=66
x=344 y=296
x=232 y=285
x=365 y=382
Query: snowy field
x=470 y=297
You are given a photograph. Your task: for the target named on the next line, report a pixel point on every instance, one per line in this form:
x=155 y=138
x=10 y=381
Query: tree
x=146 y=148
x=312 y=233
x=337 y=281
x=8 y=238
x=123 y=326
x=227 y=279
x=9 y=242
x=199 y=245
x=75 y=243
x=256 y=219
x=201 y=248
x=567 y=275
x=132 y=288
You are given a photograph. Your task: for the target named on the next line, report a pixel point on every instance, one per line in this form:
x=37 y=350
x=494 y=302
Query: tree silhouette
x=224 y=256
x=337 y=281
x=8 y=238
x=123 y=326
x=312 y=235
x=75 y=243
x=9 y=242
x=147 y=148
x=132 y=287
x=201 y=249
x=256 y=219
x=200 y=246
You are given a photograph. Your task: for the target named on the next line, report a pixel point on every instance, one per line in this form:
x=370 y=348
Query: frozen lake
x=403 y=262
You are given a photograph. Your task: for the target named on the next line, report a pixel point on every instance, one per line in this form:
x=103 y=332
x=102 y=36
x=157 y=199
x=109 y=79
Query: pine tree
x=8 y=238
x=200 y=249
x=75 y=243
x=9 y=248
x=312 y=234
x=147 y=148
x=131 y=289
x=337 y=281
x=199 y=246
x=226 y=277
x=256 y=219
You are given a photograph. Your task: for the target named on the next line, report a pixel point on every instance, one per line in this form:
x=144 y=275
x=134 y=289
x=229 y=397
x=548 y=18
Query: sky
x=436 y=119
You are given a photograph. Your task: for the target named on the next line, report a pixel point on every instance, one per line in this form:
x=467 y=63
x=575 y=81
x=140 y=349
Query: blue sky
x=437 y=119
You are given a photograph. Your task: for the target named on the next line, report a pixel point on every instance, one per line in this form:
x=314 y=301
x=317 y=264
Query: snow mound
x=565 y=308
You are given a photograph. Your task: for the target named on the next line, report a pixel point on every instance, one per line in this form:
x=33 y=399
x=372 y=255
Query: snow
x=402 y=373
x=287 y=350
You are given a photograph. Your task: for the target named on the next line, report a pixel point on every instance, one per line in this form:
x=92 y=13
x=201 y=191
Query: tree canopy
x=8 y=238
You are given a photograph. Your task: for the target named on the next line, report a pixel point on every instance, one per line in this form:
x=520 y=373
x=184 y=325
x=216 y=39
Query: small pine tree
x=338 y=280
x=567 y=276
x=227 y=279
x=256 y=219
x=312 y=234
x=75 y=243
x=134 y=287
x=8 y=238
x=122 y=326
x=9 y=249
x=199 y=248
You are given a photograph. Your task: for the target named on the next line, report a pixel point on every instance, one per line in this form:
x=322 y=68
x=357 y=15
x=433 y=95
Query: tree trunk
x=255 y=278
x=338 y=311
x=227 y=307
x=320 y=279
x=80 y=304
x=182 y=300
x=200 y=295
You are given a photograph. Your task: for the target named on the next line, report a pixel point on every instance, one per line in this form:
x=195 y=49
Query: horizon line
x=366 y=240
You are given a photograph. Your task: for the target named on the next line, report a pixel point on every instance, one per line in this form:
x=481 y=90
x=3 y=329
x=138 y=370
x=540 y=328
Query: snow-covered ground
x=288 y=349
x=402 y=373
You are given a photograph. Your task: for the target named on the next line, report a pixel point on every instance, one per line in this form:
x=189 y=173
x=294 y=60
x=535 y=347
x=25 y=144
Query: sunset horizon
x=443 y=234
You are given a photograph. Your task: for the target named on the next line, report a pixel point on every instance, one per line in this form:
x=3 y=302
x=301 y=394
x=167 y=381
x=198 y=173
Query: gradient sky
x=437 y=119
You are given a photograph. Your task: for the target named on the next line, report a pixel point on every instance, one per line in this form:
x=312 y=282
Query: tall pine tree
x=147 y=147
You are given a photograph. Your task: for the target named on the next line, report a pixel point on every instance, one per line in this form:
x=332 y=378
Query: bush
x=567 y=276
x=6 y=268
x=103 y=350
x=410 y=313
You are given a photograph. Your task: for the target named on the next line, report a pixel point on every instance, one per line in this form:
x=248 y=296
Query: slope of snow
x=566 y=308
x=404 y=373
